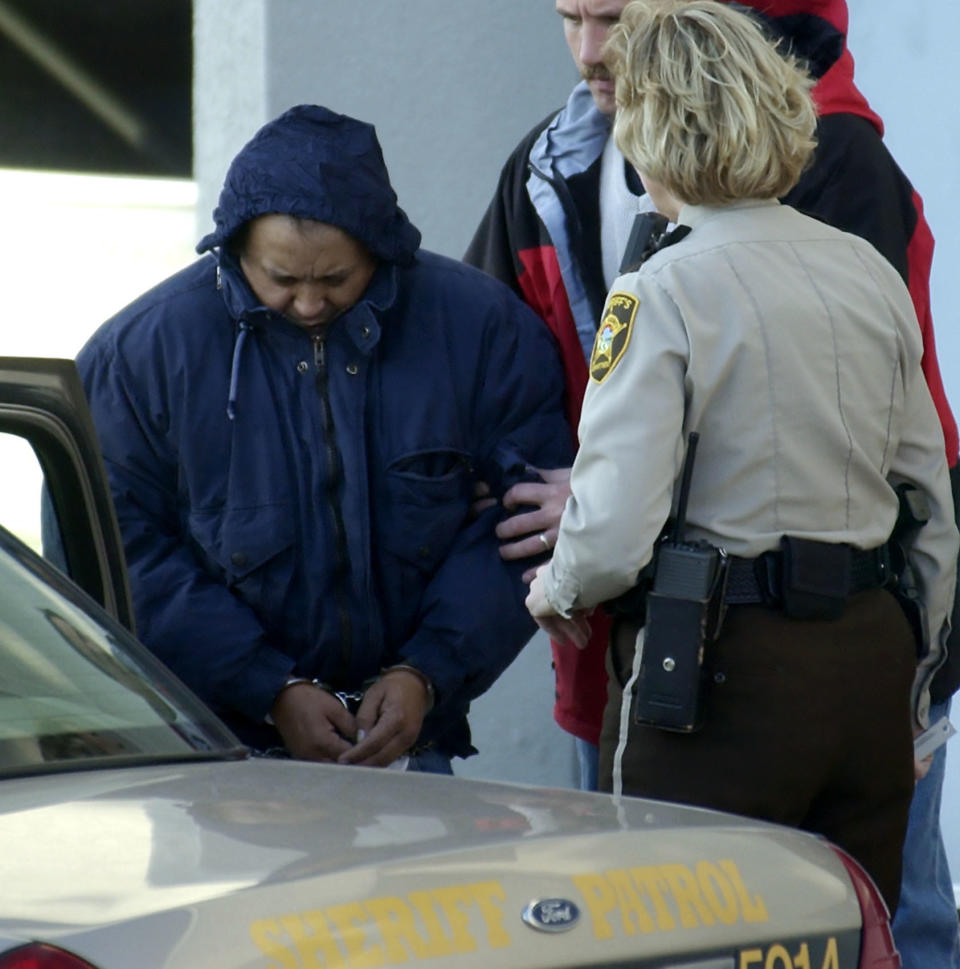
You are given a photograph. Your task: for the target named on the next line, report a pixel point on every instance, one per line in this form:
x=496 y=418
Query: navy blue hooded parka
x=295 y=503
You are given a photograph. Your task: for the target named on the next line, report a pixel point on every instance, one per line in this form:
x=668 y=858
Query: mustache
x=595 y=72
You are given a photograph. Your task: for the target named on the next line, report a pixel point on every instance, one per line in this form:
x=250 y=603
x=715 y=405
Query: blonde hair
x=706 y=104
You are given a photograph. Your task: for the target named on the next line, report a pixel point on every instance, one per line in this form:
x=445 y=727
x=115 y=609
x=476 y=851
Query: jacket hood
x=816 y=31
x=315 y=164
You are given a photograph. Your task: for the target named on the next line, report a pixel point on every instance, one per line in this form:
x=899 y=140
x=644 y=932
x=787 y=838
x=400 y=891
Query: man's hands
x=315 y=725
x=389 y=719
x=534 y=532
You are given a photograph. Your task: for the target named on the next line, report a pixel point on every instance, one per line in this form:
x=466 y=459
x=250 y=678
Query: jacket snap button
x=352 y=369
x=238 y=558
x=303 y=366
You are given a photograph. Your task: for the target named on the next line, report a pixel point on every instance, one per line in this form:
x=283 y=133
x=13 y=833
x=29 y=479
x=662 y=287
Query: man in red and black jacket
x=555 y=229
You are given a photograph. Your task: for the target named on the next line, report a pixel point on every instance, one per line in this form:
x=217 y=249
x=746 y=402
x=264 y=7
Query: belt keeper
x=767 y=571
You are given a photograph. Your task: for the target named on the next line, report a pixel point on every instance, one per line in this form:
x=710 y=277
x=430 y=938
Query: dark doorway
x=96 y=86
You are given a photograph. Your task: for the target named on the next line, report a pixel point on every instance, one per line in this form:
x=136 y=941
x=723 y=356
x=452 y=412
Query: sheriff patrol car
x=136 y=831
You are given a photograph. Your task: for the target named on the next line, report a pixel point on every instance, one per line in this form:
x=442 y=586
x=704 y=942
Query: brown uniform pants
x=807 y=724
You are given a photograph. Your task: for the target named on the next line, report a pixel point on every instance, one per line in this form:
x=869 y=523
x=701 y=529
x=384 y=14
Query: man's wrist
x=420 y=675
x=291 y=681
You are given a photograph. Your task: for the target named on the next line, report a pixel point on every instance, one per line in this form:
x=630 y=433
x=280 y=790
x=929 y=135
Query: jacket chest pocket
x=427 y=496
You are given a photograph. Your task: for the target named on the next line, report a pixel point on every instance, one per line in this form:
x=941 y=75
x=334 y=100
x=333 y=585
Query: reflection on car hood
x=99 y=860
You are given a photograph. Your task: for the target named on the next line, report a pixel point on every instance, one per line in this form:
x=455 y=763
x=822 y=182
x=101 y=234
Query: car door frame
x=42 y=401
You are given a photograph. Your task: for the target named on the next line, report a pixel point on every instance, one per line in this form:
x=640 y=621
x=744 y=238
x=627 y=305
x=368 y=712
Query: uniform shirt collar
x=694 y=215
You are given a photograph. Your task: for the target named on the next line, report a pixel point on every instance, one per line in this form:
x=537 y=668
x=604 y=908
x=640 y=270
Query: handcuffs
x=351 y=699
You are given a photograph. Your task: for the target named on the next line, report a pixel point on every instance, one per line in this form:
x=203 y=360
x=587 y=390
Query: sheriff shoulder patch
x=613 y=335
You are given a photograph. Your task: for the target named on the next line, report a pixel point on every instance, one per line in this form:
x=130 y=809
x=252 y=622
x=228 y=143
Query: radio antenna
x=681 y=520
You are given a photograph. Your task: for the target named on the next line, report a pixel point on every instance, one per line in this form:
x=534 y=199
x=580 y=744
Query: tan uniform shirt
x=794 y=351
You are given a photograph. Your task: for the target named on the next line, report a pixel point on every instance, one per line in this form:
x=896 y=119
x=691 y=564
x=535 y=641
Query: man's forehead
x=592 y=8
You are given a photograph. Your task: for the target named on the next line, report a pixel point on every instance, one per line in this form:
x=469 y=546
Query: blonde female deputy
x=793 y=350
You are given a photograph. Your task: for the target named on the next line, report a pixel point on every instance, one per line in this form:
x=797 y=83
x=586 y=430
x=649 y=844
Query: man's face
x=585 y=25
x=310 y=272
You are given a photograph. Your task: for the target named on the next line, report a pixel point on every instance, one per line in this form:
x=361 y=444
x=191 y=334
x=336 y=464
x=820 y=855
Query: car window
x=22 y=483
x=76 y=690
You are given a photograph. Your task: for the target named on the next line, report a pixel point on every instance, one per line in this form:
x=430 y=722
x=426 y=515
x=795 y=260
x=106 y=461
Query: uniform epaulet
x=649 y=235
x=674 y=235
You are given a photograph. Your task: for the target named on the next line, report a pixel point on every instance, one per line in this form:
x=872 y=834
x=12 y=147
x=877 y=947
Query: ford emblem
x=551 y=915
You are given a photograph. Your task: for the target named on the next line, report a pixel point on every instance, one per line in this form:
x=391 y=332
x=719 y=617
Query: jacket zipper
x=334 y=482
x=575 y=233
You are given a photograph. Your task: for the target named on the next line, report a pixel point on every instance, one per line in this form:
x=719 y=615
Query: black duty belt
x=847 y=571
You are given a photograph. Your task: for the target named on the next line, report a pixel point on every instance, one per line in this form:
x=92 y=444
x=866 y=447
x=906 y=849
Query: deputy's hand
x=389 y=719
x=534 y=532
x=574 y=631
x=313 y=723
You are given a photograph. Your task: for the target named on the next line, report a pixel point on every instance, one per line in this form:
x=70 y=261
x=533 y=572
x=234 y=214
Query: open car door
x=42 y=402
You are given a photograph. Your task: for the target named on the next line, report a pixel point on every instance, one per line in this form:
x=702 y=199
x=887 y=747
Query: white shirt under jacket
x=794 y=351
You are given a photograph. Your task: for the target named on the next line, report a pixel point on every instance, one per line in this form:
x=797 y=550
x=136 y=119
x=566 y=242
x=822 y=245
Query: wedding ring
x=544 y=541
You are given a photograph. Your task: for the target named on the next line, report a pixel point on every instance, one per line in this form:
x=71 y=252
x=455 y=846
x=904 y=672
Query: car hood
x=289 y=855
